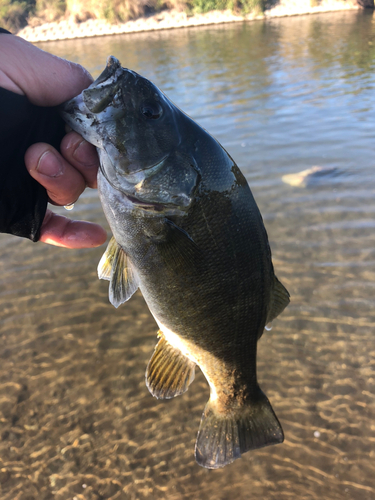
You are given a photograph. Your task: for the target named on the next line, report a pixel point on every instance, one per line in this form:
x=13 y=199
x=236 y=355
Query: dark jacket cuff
x=23 y=201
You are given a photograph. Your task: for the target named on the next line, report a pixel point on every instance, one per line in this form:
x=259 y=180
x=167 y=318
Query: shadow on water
x=77 y=421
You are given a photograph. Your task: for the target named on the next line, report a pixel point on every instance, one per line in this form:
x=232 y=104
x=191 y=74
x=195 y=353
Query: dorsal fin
x=169 y=373
x=280 y=299
x=115 y=267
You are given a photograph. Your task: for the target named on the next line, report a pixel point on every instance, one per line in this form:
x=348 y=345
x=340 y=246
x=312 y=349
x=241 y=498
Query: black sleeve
x=23 y=201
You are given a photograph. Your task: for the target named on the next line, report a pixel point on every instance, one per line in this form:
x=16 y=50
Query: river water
x=77 y=421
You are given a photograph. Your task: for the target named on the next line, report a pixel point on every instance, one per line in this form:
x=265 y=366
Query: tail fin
x=222 y=438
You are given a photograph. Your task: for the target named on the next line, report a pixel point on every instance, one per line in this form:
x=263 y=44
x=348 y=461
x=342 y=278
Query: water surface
x=77 y=421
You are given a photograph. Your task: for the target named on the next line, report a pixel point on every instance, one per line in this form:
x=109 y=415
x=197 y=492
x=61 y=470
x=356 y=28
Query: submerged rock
x=308 y=177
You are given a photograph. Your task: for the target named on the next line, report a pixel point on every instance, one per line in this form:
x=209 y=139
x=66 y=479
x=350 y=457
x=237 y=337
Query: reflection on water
x=77 y=420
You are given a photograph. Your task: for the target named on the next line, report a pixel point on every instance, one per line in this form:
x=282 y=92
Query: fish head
x=138 y=133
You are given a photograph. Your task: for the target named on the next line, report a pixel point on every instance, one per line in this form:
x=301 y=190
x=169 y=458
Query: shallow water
x=77 y=421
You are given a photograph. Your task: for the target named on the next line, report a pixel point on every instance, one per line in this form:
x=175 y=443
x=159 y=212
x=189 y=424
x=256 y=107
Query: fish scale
x=188 y=233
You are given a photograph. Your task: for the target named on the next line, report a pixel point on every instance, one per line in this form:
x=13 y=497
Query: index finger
x=62 y=232
x=46 y=80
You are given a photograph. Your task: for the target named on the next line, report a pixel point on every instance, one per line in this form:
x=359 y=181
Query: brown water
x=77 y=421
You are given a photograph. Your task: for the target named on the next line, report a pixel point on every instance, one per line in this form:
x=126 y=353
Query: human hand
x=47 y=80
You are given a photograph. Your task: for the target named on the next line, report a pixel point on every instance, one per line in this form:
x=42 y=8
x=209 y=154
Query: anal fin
x=169 y=373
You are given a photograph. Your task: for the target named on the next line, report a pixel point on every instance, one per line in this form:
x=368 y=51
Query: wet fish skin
x=188 y=233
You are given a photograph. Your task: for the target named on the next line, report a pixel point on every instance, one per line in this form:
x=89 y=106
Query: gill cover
x=172 y=181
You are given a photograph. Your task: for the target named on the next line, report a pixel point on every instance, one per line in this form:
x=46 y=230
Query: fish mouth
x=81 y=112
x=101 y=93
x=112 y=66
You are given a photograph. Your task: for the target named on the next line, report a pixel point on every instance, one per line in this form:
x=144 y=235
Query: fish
x=188 y=234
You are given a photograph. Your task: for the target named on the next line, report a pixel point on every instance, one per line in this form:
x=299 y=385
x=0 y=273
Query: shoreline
x=172 y=19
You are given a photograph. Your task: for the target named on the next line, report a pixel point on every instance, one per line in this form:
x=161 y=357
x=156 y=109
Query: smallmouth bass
x=188 y=233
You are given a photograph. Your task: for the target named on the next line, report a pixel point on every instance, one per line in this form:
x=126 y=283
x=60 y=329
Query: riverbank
x=169 y=19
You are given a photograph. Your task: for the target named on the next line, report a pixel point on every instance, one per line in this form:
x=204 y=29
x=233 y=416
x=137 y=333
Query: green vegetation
x=207 y=5
x=243 y=6
x=257 y=6
x=14 y=14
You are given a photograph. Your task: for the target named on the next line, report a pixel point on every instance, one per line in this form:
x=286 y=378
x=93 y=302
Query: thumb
x=63 y=182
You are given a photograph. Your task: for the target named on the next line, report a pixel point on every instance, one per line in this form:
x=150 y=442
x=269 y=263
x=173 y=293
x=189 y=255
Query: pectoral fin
x=169 y=373
x=177 y=247
x=115 y=267
x=105 y=263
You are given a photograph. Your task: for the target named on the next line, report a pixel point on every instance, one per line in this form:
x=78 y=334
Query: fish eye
x=151 y=110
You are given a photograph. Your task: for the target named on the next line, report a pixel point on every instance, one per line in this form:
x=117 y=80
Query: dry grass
x=112 y=10
x=122 y=10
x=15 y=14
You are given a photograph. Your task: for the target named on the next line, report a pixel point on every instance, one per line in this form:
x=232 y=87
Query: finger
x=63 y=232
x=46 y=80
x=82 y=155
x=63 y=182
